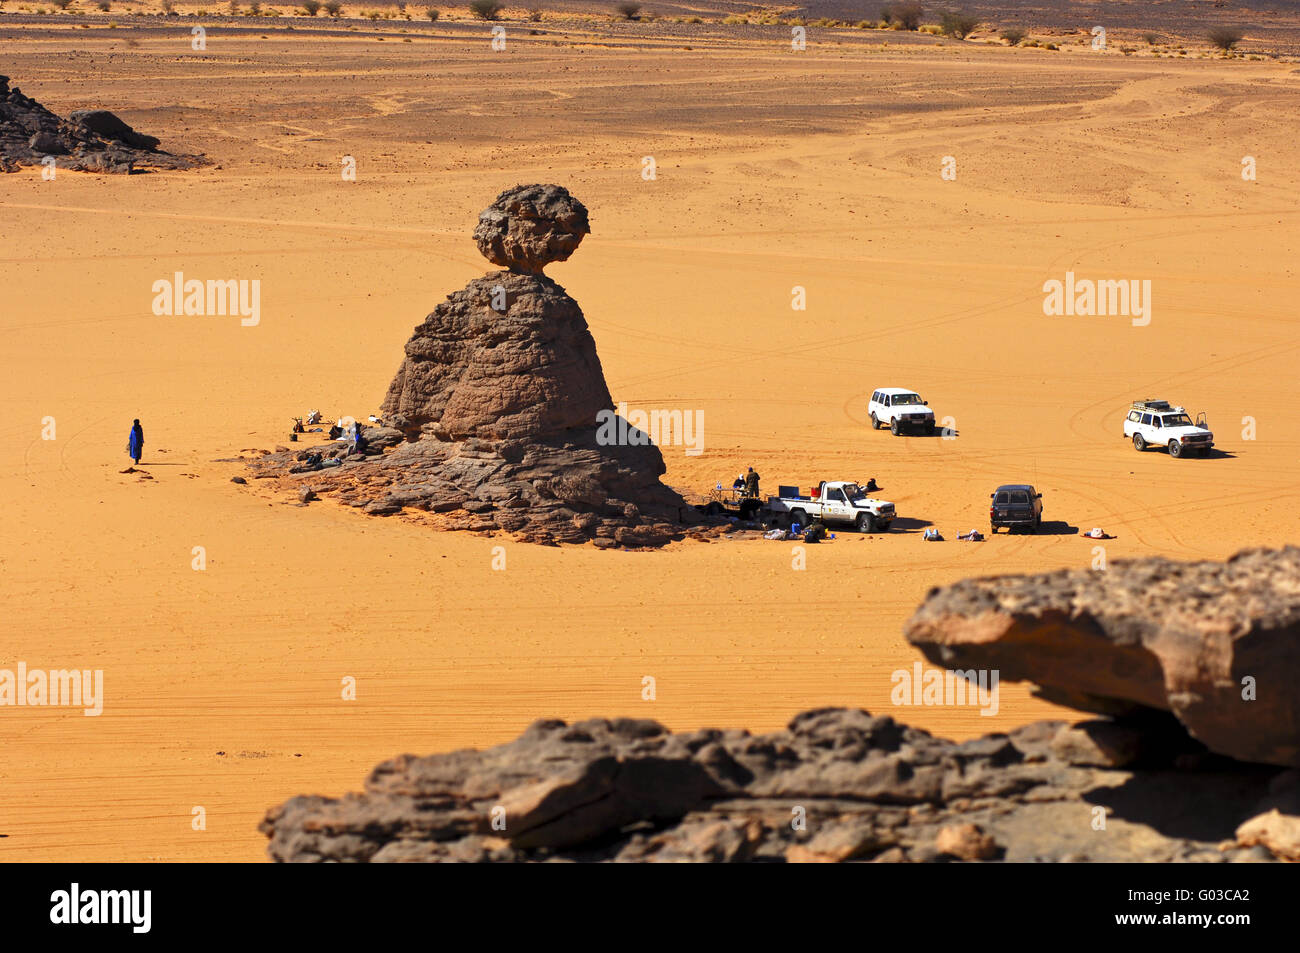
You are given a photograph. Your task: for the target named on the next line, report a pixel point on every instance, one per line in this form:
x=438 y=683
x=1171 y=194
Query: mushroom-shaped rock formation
x=498 y=400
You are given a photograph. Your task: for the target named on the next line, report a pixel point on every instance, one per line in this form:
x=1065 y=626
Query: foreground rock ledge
x=1215 y=644
x=866 y=787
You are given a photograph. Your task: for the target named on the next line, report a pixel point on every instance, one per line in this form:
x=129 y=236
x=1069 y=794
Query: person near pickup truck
x=751 y=484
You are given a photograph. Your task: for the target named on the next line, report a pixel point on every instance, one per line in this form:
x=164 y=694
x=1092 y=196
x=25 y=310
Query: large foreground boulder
x=836 y=785
x=1215 y=644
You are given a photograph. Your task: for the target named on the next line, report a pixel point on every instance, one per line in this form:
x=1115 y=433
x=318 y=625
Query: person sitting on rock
x=359 y=441
x=135 y=443
x=751 y=484
x=335 y=431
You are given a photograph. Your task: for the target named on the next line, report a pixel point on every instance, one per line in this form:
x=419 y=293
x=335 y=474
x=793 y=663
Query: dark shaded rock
x=1215 y=644
x=836 y=786
x=108 y=126
x=88 y=141
x=306 y=494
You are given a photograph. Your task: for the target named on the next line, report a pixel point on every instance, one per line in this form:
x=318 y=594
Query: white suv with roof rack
x=1158 y=423
x=901 y=409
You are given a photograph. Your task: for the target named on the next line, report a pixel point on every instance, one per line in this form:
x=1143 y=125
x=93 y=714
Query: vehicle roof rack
x=1157 y=405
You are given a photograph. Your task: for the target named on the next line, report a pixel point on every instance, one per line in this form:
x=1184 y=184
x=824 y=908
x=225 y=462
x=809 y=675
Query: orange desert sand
x=774 y=170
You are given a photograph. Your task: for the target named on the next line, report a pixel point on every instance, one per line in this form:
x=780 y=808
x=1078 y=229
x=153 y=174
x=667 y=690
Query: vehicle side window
x=1002 y=497
x=1146 y=418
x=1134 y=415
x=875 y=398
x=885 y=401
x=838 y=496
x=1155 y=422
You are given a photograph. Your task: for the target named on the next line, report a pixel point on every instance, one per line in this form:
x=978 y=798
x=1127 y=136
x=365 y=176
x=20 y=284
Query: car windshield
x=854 y=492
x=901 y=400
x=1019 y=496
x=1177 y=420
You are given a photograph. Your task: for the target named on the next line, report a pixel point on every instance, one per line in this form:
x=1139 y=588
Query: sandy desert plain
x=775 y=169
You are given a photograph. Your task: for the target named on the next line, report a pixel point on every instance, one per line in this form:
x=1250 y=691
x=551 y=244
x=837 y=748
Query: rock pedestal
x=497 y=401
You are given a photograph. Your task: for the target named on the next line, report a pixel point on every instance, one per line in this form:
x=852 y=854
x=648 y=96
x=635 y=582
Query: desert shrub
x=1013 y=35
x=332 y=7
x=432 y=14
x=254 y=9
x=534 y=13
x=692 y=20
x=958 y=25
x=233 y=7
x=865 y=25
x=62 y=4
x=734 y=20
x=1151 y=38
x=105 y=5
x=1051 y=46
x=907 y=15
x=886 y=16
x=930 y=29
x=485 y=9
x=1225 y=37
x=167 y=6
x=628 y=11
x=311 y=7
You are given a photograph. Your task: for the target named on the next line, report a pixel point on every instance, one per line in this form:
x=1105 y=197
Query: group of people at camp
x=747 y=482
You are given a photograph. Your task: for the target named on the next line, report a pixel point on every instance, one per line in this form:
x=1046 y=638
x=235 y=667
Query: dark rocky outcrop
x=498 y=399
x=1215 y=644
x=1160 y=646
x=91 y=140
x=835 y=785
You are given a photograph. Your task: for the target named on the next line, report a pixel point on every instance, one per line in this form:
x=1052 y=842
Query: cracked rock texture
x=1215 y=644
x=493 y=411
x=89 y=140
x=1159 y=647
x=836 y=785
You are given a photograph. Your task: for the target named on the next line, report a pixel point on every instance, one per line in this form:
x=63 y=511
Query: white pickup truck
x=837 y=501
x=1157 y=423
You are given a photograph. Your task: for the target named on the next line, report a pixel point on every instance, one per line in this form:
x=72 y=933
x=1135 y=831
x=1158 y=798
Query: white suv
x=1157 y=423
x=902 y=409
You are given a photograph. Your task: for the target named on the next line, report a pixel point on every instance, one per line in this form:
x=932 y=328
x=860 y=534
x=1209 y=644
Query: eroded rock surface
x=498 y=399
x=836 y=785
x=89 y=140
x=1215 y=644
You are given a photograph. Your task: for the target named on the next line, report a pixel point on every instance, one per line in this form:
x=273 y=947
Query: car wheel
x=1038 y=521
x=929 y=429
x=1138 y=443
x=866 y=523
x=893 y=427
x=800 y=517
x=993 y=529
x=875 y=422
x=1175 y=449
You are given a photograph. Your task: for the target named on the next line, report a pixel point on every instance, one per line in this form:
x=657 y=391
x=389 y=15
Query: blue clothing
x=135 y=443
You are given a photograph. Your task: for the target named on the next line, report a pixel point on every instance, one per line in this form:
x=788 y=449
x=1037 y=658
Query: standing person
x=135 y=443
x=751 y=484
x=359 y=440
